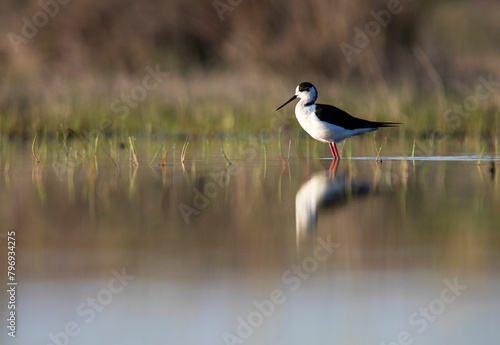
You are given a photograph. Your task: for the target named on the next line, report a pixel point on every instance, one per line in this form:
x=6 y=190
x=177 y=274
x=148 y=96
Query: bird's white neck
x=307 y=103
x=308 y=99
x=304 y=110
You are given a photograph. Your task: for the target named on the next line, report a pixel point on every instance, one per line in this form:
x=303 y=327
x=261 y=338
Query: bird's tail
x=387 y=124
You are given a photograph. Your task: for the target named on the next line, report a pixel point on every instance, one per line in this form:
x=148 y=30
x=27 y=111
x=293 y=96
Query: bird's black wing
x=338 y=117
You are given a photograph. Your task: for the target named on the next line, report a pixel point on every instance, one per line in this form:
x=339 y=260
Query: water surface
x=252 y=251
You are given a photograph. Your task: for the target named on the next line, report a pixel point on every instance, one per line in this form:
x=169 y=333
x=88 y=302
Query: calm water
x=252 y=252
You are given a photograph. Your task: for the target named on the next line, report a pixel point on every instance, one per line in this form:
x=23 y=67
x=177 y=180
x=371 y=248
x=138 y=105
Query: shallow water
x=254 y=252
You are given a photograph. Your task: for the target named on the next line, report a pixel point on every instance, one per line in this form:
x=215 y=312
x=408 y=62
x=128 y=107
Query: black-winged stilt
x=327 y=123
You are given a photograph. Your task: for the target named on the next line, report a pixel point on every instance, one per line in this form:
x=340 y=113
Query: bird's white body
x=320 y=130
x=327 y=123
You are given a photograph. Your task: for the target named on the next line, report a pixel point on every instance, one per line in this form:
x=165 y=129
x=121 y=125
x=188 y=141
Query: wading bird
x=327 y=123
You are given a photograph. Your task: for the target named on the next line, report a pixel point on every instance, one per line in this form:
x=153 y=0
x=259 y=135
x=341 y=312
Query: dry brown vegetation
x=89 y=52
x=279 y=36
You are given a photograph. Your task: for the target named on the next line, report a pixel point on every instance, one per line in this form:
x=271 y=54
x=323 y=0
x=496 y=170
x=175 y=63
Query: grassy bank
x=218 y=102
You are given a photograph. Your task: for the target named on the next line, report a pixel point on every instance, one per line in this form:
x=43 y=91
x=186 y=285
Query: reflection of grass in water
x=133 y=152
x=33 y=147
x=378 y=150
x=228 y=162
x=184 y=149
x=261 y=174
x=74 y=152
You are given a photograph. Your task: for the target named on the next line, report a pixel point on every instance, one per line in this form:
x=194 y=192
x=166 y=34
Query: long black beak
x=291 y=99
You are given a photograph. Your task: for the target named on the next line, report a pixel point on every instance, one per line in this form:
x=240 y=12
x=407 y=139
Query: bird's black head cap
x=305 y=86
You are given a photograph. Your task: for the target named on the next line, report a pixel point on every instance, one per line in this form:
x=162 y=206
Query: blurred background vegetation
x=230 y=63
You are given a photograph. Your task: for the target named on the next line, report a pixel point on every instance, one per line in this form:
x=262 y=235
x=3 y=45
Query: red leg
x=335 y=153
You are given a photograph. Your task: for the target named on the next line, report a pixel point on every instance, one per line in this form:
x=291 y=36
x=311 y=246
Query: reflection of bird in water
x=320 y=191
x=491 y=169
